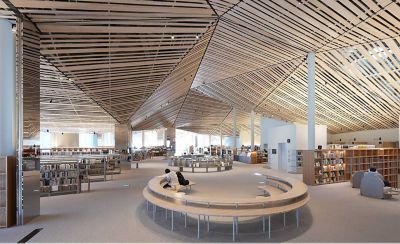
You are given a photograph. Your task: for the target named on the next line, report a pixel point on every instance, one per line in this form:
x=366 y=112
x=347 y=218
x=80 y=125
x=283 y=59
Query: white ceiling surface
x=225 y=54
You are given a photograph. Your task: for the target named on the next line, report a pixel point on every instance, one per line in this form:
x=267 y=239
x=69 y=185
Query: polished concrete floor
x=115 y=211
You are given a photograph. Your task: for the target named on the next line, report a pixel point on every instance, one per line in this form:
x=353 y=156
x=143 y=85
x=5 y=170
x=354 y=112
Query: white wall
x=369 y=136
x=65 y=140
x=275 y=131
x=321 y=134
x=245 y=138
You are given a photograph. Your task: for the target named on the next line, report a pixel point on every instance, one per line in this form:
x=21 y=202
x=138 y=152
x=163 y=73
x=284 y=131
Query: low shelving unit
x=338 y=165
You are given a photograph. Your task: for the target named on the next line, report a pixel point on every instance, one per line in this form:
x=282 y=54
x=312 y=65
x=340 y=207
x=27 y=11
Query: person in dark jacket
x=182 y=181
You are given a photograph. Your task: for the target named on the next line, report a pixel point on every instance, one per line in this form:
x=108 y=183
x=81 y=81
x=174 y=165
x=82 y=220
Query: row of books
x=58 y=181
x=58 y=174
x=49 y=167
x=330 y=167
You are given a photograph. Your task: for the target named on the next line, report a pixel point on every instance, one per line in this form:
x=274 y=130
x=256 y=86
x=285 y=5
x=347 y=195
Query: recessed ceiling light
x=197 y=37
x=172 y=37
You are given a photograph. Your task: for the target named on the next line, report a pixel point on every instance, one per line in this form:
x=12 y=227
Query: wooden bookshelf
x=7 y=191
x=338 y=165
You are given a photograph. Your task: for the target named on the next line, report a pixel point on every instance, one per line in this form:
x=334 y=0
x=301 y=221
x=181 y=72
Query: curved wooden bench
x=294 y=195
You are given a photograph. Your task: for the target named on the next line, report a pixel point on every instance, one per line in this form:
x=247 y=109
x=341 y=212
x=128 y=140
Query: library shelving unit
x=338 y=165
x=7 y=191
x=385 y=160
x=59 y=177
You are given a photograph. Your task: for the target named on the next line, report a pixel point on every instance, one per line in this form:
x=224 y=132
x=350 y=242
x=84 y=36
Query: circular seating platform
x=280 y=197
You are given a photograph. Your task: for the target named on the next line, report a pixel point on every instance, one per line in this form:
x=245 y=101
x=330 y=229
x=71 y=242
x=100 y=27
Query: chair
x=356 y=179
x=372 y=186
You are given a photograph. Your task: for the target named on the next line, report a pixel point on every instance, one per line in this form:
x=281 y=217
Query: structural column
x=252 y=129
x=121 y=137
x=311 y=100
x=165 y=137
x=142 y=138
x=7 y=89
x=234 y=128
x=220 y=138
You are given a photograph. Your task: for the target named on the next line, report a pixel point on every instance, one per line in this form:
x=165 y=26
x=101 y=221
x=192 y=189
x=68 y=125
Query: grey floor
x=115 y=211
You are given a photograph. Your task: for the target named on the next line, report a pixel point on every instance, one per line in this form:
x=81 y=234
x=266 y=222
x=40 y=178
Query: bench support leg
x=284 y=220
x=208 y=223
x=154 y=211
x=233 y=229
x=172 y=220
x=263 y=220
x=166 y=214
x=297 y=218
x=198 y=227
x=269 y=227
x=237 y=225
x=147 y=205
x=185 y=220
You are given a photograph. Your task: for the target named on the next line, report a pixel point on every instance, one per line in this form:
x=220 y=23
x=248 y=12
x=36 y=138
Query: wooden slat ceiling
x=245 y=54
x=63 y=105
x=118 y=52
x=6 y=13
x=176 y=85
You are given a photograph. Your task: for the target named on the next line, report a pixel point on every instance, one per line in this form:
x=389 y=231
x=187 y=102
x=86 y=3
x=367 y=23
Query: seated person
x=170 y=178
x=385 y=182
x=182 y=181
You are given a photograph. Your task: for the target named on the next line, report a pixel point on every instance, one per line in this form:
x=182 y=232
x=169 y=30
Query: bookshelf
x=59 y=177
x=338 y=165
x=7 y=191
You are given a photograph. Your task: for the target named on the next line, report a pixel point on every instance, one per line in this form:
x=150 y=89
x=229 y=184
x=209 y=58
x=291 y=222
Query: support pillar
x=142 y=138
x=220 y=138
x=234 y=128
x=165 y=137
x=252 y=129
x=121 y=137
x=311 y=100
x=171 y=136
x=7 y=90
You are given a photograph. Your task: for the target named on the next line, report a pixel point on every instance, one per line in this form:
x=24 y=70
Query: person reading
x=170 y=178
x=385 y=182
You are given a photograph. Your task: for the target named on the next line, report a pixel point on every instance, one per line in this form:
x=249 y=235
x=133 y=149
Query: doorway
x=282 y=156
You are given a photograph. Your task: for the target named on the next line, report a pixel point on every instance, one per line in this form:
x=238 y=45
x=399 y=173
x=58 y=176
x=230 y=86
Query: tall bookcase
x=338 y=165
x=7 y=191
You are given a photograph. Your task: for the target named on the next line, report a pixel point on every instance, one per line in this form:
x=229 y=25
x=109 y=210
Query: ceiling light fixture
x=172 y=37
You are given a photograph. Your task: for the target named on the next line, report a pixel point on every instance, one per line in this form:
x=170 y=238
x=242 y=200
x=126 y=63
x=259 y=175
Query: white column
x=7 y=89
x=252 y=129
x=220 y=137
x=142 y=138
x=234 y=128
x=311 y=100
x=165 y=137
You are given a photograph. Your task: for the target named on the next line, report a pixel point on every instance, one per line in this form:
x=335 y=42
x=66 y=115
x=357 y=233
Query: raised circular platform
x=280 y=197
